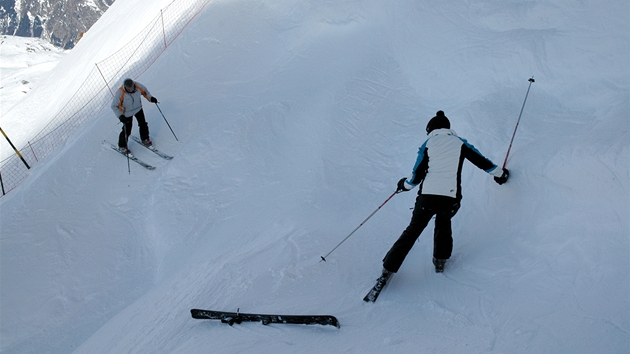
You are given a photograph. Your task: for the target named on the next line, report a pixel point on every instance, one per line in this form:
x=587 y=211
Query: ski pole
x=531 y=80
x=364 y=221
x=127 y=140
x=169 y=126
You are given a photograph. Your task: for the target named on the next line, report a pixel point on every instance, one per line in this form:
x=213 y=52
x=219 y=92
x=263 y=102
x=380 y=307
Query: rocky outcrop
x=61 y=22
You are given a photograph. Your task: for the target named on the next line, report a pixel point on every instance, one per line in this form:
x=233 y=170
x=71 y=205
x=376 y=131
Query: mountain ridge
x=61 y=23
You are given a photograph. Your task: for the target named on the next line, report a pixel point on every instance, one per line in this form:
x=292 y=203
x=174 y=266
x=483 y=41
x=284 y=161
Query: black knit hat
x=438 y=122
x=129 y=84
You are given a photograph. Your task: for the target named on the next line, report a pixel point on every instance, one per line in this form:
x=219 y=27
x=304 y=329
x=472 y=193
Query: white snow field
x=25 y=61
x=295 y=120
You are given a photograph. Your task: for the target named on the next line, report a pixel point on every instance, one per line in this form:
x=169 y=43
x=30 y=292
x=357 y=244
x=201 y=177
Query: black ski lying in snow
x=131 y=157
x=152 y=148
x=238 y=317
x=376 y=289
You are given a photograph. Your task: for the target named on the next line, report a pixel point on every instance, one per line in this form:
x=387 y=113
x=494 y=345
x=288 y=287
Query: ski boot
x=439 y=264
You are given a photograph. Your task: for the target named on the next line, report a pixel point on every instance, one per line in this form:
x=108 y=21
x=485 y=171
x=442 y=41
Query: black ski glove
x=154 y=100
x=504 y=177
x=122 y=118
x=401 y=185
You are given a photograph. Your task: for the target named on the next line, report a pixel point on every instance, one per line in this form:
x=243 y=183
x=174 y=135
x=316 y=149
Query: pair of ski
x=237 y=317
x=134 y=158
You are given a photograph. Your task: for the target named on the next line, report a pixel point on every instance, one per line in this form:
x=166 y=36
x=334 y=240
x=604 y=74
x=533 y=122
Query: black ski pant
x=128 y=124
x=444 y=208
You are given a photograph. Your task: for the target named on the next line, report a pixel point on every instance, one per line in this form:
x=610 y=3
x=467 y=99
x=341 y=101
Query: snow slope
x=295 y=120
x=25 y=60
x=52 y=92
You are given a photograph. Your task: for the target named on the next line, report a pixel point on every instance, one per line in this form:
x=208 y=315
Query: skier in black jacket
x=438 y=173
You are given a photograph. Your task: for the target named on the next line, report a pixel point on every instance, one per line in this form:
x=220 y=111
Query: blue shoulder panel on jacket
x=418 y=162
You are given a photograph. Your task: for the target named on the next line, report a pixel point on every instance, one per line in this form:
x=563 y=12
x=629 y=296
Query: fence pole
x=33 y=151
x=104 y=79
x=14 y=149
x=163 y=30
x=2 y=183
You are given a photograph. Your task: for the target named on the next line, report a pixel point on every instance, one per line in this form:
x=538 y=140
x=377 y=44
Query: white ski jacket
x=129 y=103
x=438 y=167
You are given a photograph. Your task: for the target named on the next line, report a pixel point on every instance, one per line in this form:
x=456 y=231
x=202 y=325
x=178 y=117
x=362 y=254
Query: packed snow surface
x=295 y=120
x=25 y=61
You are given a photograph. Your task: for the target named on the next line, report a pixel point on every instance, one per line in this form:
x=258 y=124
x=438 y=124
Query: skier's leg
x=142 y=125
x=421 y=216
x=125 y=132
x=443 y=235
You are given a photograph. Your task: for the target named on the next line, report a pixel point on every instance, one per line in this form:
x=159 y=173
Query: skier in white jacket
x=438 y=173
x=127 y=104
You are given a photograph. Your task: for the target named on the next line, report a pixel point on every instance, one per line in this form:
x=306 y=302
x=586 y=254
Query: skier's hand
x=122 y=118
x=154 y=100
x=504 y=177
x=401 y=185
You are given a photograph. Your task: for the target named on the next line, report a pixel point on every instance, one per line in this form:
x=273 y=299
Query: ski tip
x=195 y=313
x=336 y=322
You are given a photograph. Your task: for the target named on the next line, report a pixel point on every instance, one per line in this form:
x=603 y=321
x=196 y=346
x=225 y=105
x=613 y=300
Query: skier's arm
x=419 y=169
x=473 y=155
x=145 y=92
x=117 y=105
